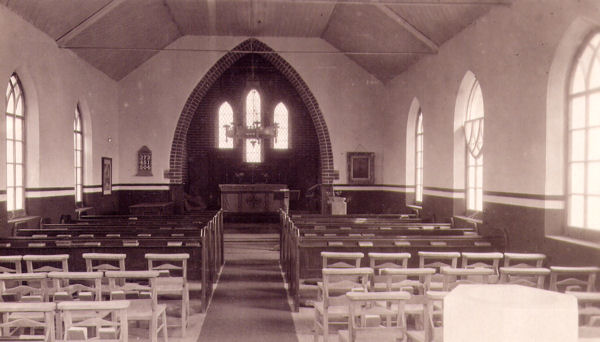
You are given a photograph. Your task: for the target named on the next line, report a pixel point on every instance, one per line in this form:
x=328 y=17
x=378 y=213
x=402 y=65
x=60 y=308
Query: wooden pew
x=300 y=251
x=204 y=245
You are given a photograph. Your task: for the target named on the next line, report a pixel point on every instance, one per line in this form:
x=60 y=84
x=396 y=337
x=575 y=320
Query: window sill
x=469 y=219
x=22 y=219
x=578 y=242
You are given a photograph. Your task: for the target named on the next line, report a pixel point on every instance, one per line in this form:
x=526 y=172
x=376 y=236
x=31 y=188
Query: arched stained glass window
x=253 y=151
x=583 y=188
x=15 y=146
x=474 y=140
x=419 y=159
x=78 y=157
x=252 y=108
x=253 y=148
x=280 y=118
x=225 y=119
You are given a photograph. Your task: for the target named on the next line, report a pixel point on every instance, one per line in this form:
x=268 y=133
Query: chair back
x=133 y=285
x=10 y=263
x=76 y=286
x=342 y=259
x=527 y=276
x=47 y=263
x=564 y=278
x=338 y=281
x=414 y=280
x=589 y=314
x=387 y=307
x=169 y=265
x=379 y=261
x=524 y=260
x=23 y=287
x=482 y=259
x=456 y=276
x=106 y=320
x=18 y=316
x=438 y=260
x=104 y=261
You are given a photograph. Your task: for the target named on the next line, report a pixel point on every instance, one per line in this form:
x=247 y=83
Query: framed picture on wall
x=361 y=167
x=106 y=176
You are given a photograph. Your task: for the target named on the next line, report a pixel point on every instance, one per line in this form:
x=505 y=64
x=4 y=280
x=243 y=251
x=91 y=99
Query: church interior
x=241 y=161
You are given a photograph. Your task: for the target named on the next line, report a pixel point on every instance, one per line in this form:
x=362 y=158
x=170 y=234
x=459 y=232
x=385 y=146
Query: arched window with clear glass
x=253 y=150
x=280 y=118
x=225 y=120
x=419 y=159
x=78 y=156
x=474 y=139
x=15 y=147
x=583 y=190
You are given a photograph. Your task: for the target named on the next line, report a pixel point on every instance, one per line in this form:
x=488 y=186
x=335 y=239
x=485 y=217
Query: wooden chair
x=385 y=307
x=564 y=278
x=333 y=260
x=333 y=308
x=379 y=261
x=76 y=286
x=437 y=260
x=107 y=320
x=433 y=313
x=140 y=287
x=524 y=260
x=456 y=276
x=589 y=315
x=416 y=281
x=483 y=259
x=172 y=280
x=17 y=316
x=104 y=262
x=527 y=276
x=47 y=263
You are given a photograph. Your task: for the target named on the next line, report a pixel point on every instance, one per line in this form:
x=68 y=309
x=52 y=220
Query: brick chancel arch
x=178 y=158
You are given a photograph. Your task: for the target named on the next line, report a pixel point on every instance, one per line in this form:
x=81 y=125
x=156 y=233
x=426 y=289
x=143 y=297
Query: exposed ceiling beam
x=331 y=8
x=170 y=11
x=326 y=52
x=408 y=27
x=87 y=22
x=404 y=2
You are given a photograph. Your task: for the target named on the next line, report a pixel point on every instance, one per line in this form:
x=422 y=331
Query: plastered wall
x=510 y=51
x=152 y=97
x=54 y=81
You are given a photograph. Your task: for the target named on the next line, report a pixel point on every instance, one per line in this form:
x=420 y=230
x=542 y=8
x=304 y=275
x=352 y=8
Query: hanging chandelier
x=255 y=132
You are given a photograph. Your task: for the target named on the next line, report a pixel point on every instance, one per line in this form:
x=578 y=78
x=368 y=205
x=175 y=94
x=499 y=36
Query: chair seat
x=589 y=332
x=419 y=335
x=141 y=309
x=333 y=311
x=167 y=285
x=374 y=334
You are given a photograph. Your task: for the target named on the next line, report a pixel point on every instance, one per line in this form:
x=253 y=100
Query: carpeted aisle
x=250 y=302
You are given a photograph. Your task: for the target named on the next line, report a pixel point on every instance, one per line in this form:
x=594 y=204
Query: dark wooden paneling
x=375 y=202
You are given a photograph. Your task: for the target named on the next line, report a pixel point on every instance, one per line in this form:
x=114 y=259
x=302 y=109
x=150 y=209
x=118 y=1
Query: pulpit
x=254 y=198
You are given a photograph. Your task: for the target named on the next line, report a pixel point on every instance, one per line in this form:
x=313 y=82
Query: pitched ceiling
x=383 y=37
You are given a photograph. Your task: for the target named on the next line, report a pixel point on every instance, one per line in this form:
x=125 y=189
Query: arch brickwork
x=178 y=158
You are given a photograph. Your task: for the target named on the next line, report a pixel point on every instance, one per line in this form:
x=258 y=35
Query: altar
x=254 y=198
